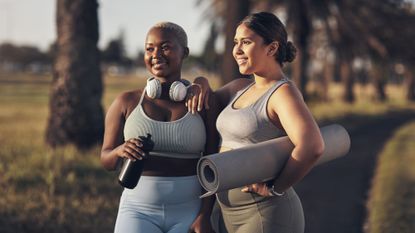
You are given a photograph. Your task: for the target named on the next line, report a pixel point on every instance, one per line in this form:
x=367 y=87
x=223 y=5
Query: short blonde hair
x=176 y=29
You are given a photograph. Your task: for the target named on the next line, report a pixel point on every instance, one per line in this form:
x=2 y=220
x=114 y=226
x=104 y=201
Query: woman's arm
x=223 y=94
x=202 y=221
x=287 y=108
x=114 y=147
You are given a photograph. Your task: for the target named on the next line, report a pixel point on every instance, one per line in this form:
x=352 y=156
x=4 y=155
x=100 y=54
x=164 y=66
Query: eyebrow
x=163 y=42
x=244 y=38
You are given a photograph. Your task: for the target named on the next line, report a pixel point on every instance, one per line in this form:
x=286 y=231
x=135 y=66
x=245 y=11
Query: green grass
x=45 y=190
x=66 y=190
x=392 y=198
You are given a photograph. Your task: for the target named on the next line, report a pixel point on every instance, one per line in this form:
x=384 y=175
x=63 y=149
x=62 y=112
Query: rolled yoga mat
x=262 y=161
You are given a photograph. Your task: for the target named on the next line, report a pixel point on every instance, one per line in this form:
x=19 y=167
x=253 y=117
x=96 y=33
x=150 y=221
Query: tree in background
x=357 y=28
x=22 y=57
x=226 y=15
x=115 y=52
x=210 y=59
x=299 y=22
x=76 y=115
x=393 y=27
x=235 y=12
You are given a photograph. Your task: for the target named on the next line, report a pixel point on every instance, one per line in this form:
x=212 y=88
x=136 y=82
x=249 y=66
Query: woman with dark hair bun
x=259 y=109
x=271 y=29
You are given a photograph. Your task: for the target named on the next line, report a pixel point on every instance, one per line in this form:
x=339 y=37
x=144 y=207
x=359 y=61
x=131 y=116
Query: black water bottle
x=131 y=170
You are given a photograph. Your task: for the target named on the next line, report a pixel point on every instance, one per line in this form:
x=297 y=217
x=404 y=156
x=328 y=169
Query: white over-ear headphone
x=177 y=91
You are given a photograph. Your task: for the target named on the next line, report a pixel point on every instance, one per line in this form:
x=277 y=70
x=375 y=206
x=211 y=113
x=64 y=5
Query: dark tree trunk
x=76 y=115
x=336 y=71
x=301 y=24
x=236 y=11
x=347 y=79
x=410 y=83
x=299 y=74
x=328 y=73
x=379 y=80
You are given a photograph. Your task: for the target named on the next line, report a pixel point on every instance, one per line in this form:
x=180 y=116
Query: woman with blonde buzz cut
x=166 y=198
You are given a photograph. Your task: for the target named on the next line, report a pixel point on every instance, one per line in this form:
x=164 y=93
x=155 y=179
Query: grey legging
x=251 y=213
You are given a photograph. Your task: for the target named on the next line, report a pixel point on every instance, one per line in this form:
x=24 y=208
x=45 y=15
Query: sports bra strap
x=142 y=96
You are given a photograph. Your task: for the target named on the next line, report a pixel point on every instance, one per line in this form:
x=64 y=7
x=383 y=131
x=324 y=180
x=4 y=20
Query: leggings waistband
x=164 y=190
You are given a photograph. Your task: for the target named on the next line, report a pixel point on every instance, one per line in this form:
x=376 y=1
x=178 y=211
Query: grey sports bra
x=248 y=125
x=184 y=138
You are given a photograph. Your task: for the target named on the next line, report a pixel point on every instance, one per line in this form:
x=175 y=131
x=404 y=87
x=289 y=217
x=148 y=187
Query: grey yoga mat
x=262 y=161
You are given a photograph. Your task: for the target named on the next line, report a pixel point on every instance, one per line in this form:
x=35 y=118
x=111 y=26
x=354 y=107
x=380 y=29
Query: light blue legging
x=159 y=205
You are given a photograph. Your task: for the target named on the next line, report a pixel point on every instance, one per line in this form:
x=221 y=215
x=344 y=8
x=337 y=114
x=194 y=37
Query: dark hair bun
x=290 y=52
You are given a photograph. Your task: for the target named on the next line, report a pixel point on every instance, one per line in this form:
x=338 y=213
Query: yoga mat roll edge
x=262 y=161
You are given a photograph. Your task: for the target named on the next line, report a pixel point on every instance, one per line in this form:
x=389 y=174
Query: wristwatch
x=273 y=193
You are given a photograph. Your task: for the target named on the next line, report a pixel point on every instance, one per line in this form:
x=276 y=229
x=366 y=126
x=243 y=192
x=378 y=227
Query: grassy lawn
x=45 y=190
x=392 y=203
x=66 y=190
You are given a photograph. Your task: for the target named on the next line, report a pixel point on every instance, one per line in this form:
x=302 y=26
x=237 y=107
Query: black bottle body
x=131 y=170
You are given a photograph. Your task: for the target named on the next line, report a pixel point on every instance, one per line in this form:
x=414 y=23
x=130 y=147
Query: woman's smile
x=159 y=64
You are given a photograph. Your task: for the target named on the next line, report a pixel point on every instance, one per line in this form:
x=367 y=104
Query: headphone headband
x=177 y=91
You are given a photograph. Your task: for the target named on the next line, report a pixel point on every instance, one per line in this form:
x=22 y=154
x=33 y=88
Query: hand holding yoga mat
x=262 y=161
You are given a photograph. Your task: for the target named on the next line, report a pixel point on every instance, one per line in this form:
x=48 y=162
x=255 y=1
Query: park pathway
x=334 y=194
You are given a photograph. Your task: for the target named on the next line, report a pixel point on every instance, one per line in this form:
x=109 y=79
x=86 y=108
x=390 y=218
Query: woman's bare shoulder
x=127 y=100
x=130 y=95
x=288 y=90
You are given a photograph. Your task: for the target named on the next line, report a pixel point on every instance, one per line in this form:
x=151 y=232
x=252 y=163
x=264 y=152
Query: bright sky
x=33 y=21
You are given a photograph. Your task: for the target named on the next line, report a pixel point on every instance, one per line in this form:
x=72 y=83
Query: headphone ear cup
x=178 y=91
x=153 y=88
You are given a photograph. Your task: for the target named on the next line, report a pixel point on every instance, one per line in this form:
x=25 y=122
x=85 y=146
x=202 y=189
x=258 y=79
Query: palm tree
x=76 y=114
x=299 y=21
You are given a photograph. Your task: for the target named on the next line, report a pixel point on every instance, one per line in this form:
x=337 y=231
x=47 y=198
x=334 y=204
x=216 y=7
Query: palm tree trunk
x=76 y=114
x=236 y=11
x=301 y=24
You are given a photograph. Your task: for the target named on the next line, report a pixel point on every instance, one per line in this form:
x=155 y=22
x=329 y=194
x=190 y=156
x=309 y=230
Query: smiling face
x=249 y=51
x=163 y=54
